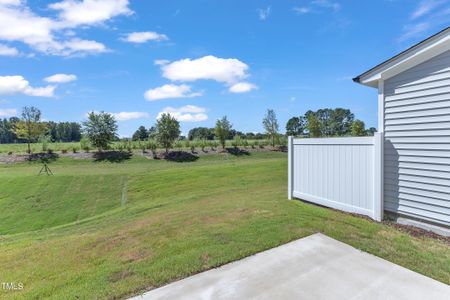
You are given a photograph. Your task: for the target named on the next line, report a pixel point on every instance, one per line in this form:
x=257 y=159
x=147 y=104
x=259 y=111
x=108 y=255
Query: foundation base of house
x=405 y=220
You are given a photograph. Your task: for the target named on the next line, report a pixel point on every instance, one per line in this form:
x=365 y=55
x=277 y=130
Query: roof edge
x=444 y=31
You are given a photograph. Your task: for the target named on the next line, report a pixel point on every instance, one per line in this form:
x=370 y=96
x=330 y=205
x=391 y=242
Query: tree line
x=56 y=131
x=101 y=128
x=327 y=123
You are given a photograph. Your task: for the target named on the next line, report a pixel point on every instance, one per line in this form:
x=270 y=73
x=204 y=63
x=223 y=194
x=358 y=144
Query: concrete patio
x=315 y=267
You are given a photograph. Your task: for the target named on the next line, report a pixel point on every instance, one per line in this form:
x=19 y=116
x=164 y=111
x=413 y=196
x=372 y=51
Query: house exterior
x=414 y=118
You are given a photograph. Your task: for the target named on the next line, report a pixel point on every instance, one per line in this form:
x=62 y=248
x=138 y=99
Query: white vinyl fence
x=342 y=173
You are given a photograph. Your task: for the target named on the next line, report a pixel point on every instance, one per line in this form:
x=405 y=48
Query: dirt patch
x=205 y=259
x=121 y=275
x=11 y=159
x=135 y=255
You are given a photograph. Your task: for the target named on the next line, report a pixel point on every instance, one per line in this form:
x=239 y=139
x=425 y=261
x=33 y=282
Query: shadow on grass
x=112 y=156
x=43 y=157
x=237 y=151
x=180 y=156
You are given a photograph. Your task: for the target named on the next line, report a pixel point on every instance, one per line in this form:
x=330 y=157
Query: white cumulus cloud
x=8 y=112
x=8 y=51
x=226 y=70
x=242 y=87
x=145 y=36
x=187 y=113
x=168 y=91
x=132 y=115
x=61 y=78
x=229 y=71
x=10 y=85
x=19 y=23
x=74 y=13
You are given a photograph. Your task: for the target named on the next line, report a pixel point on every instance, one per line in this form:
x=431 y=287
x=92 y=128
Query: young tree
x=358 y=128
x=30 y=126
x=222 y=130
x=100 y=129
x=141 y=134
x=168 y=130
x=270 y=124
x=295 y=126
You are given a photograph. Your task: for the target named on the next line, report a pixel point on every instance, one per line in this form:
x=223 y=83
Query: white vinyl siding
x=417 y=141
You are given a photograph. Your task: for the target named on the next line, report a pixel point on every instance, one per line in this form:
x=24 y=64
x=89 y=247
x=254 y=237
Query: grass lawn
x=112 y=230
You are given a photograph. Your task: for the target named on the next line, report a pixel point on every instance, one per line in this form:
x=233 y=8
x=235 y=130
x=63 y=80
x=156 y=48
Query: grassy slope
x=177 y=220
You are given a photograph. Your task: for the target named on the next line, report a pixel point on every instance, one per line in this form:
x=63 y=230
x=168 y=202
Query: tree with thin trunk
x=167 y=131
x=270 y=124
x=222 y=130
x=30 y=126
x=100 y=129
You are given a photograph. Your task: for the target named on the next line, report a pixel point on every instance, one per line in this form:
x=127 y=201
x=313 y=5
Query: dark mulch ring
x=237 y=151
x=418 y=232
x=179 y=156
x=112 y=156
x=43 y=157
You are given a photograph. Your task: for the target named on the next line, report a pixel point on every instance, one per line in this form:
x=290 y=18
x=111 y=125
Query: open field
x=112 y=230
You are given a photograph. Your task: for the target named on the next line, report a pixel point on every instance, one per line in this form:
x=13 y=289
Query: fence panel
x=342 y=173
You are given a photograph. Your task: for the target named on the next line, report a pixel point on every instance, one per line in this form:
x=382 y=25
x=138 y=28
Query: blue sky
x=202 y=59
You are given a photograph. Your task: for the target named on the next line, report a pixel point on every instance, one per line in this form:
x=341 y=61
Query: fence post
x=290 y=166
x=378 y=177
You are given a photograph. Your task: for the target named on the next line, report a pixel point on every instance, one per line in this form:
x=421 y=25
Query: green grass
x=108 y=231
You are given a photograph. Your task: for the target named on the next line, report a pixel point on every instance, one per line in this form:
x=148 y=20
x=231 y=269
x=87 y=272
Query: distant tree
x=250 y=136
x=30 y=127
x=358 y=128
x=201 y=133
x=313 y=126
x=152 y=133
x=100 y=129
x=222 y=130
x=295 y=126
x=7 y=134
x=270 y=124
x=141 y=134
x=371 y=131
x=168 y=130
x=341 y=121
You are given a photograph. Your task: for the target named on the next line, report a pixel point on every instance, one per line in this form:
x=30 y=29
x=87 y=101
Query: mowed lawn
x=112 y=230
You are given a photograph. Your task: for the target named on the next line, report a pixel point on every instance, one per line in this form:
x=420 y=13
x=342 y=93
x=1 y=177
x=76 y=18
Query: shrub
x=84 y=144
x=74 y=149
x=64 y=151
x=10 y=153
x=152 y=146
x=45 y=140
x=245 y=143
x=50 y=151
x=236 y=142
x=187 y=144
x=179 y=145
x=143 y=147
x=215 y=144
x=203 y=143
